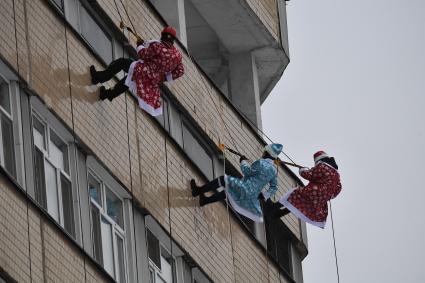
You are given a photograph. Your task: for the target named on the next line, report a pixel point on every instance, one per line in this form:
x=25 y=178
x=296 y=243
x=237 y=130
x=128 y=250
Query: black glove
x=242 y=158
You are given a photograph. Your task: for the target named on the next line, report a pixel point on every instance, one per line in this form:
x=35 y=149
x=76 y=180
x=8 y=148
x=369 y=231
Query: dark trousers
x=212 y=186
x=275 y=210
x=121 y=64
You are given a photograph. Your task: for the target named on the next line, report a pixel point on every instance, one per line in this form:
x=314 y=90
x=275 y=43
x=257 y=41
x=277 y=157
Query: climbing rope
x=133 y=31
x=334 y=241
x=22 y=128
x=122 y=25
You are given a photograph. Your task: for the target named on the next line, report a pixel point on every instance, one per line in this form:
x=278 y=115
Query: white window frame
x=72 y=11
x=117 y=230
x=15 y=117
x=48 y=128
x=9 y=116
x=177 y=269
x=158 y=271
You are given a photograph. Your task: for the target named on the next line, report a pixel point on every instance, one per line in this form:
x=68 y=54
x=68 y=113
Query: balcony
x=240 y=45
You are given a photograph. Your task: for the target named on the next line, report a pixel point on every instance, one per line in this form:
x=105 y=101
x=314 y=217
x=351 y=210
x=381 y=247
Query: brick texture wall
x=54 y=62
x=32 y=249
x=266 y=10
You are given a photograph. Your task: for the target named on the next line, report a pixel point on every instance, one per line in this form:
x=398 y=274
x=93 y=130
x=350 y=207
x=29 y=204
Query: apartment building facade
x=98 y=191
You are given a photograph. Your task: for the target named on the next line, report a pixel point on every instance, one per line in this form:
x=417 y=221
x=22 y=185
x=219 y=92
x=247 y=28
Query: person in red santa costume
x=159 y=60
x=310 y=203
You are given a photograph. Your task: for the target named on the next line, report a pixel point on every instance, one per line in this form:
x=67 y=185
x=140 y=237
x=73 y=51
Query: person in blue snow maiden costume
x=243 y=193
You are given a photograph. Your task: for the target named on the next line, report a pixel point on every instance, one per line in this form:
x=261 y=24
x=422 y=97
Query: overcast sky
x=355 y=87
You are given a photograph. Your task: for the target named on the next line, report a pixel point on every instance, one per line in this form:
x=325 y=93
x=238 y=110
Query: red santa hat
x=319 y=155
x=170 y=30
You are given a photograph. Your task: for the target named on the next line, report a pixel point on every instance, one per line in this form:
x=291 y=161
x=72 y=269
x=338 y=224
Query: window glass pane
x=39 y=132
x=58 y=152
x=108 y=248
x=4 y=95
x=71 y=12
x=97 y=237
x=40 y=182
x=95 y=36
x=121 y=266
x=94 y=190
x=51 y=190
x=175 y=124
x=163 y=119
x=114 y=207
x=68 y=205
x=166 y=266
x=197 y=153
x=153 y=248
x=8 y=145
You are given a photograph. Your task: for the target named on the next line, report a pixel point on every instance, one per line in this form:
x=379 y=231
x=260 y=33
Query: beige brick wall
x=266 y=11
x=204 y=232
x=7 y=32
x=53 y=257
x=14 y=251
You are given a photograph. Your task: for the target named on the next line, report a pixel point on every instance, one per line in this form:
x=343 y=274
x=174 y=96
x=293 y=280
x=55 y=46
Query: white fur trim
x=240 y=209
x=129 y=81
x=140 y=47
x=323 y=155
x=321 y=162
x=269 y=149
x=284 y=201
x=146 y=44
x=148 y=108
x=303 y=169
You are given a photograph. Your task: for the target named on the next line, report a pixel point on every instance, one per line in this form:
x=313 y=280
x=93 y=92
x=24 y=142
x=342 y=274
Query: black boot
x=110 y=94
x=213 y=185
x=93 y=73
x=104 y=93
x=203 y=200
x=195 y=189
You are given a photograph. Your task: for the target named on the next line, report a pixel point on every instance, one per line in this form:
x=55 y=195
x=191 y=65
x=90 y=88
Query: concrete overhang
x=240 y=30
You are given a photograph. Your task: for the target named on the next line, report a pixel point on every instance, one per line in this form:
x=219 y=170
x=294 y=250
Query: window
x=179 y=128
x=95 y=36
x=197 y=153
x=160 y=261
x=7 y=149
x=53 y=183
x=85 y=23
x=108 y=227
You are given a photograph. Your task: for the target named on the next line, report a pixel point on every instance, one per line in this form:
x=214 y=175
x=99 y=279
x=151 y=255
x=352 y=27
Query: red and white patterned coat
x=310 y=203
x=159 y=61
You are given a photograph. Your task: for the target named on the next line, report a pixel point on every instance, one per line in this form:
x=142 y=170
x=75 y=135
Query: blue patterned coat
x=243 y=193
